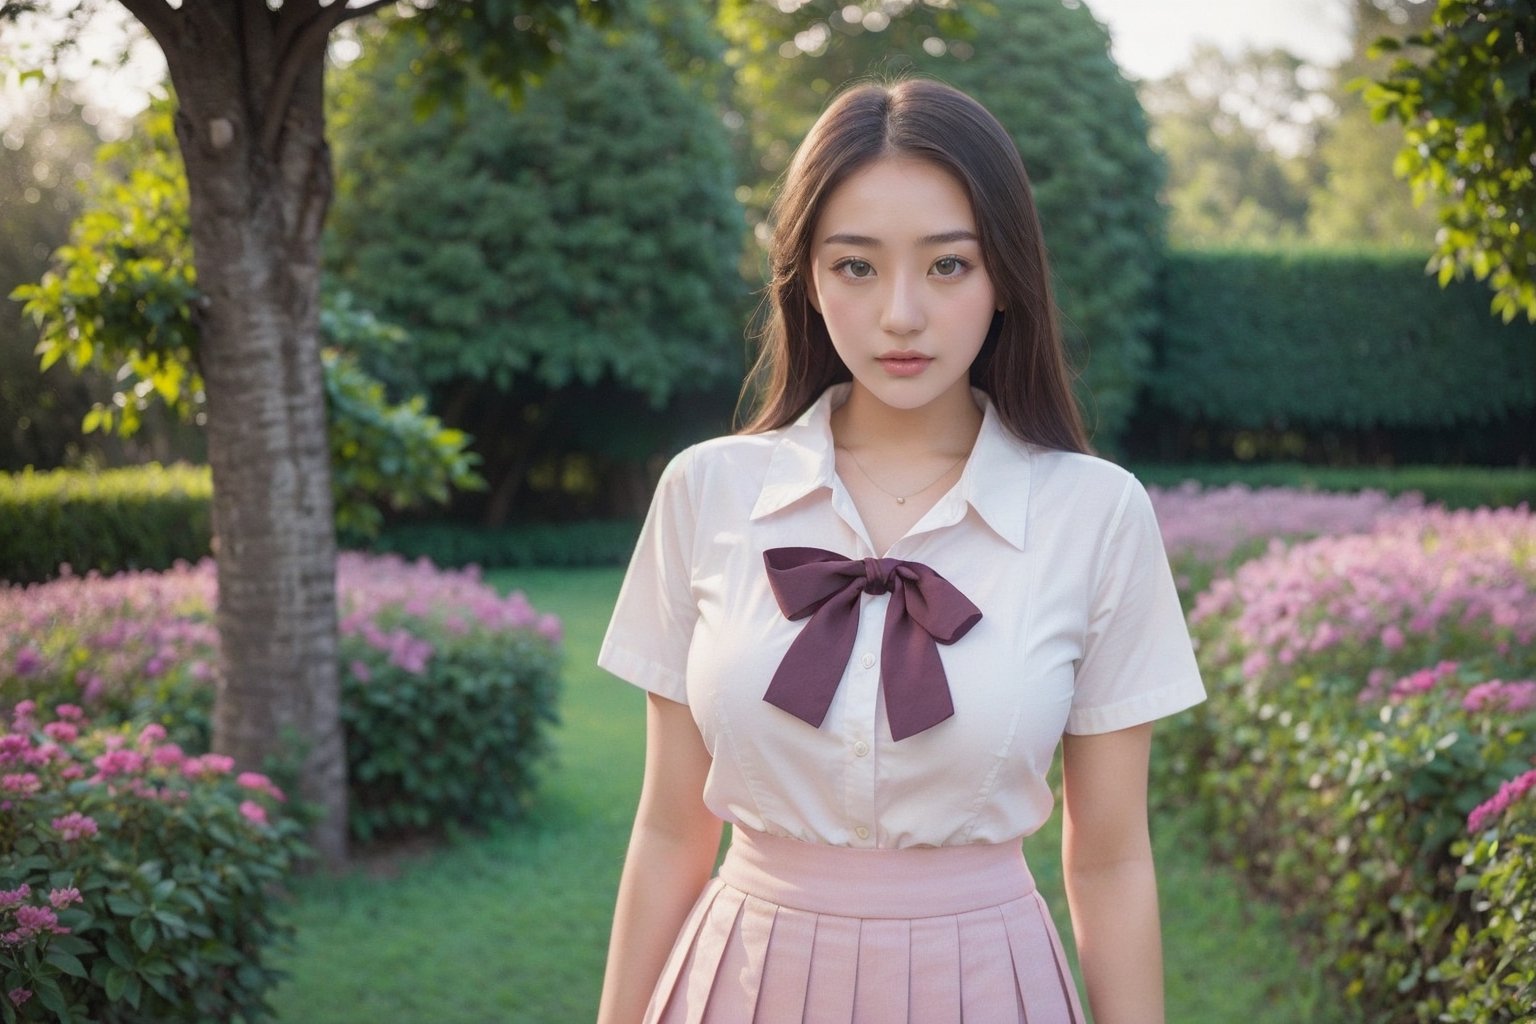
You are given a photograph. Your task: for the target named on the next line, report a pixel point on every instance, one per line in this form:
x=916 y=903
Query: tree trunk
x=259 y=192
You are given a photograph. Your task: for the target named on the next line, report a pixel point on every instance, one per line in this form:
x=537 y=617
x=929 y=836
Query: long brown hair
x=1022 y=364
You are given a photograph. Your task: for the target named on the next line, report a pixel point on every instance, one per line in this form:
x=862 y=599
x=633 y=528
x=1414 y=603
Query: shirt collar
x=995 y=481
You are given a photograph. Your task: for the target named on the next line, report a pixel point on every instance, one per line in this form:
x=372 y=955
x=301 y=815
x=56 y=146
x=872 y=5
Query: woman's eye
x=949 y=266
x=854 y=268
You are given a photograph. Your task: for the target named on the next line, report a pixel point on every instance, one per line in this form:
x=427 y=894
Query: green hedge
x=146 y=517
x=563 y=545
x=1453 y=487
x=1350 y=339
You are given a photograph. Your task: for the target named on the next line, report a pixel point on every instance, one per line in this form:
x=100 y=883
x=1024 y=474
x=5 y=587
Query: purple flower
x=28 y=662
x=14 y=897
x=18 y=996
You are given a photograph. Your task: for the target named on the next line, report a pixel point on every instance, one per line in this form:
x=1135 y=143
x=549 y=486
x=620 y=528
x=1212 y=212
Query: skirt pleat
x=792 y=931
x=935 y=970
x=885 y=960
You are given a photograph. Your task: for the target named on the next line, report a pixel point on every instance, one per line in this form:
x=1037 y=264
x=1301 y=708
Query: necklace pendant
x=901 y=501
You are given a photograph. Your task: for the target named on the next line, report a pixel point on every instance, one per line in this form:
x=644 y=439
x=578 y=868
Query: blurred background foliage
x=571 y=282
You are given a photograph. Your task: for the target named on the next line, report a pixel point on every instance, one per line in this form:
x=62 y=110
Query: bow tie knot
x=876 y=577
x=925 y=610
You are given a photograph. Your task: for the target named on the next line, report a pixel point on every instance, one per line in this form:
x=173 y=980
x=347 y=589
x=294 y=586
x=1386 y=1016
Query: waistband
x=924 y=881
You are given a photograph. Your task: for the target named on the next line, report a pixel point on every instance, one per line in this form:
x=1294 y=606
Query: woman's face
x=896 y=273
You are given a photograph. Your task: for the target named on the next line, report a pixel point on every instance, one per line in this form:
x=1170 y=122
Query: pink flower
x=18 y=996
x=69 y=713
x=32 y=921
x=118 y=762
x=260 y=783
x=21 y=716
x=1514 y=698
x=549 y=628
x=61 y=732
x=1392 y=638
x=254 y=812
x=14 y=897
x=61 y=898
x=75 y=826
x=167 y=756
x=1485 y=812
x=207 y=766
x=151 y=734
x=361 y=672
x=23 y=783
x=14 y=747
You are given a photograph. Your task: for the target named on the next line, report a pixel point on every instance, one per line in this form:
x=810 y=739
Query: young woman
x=866 y=622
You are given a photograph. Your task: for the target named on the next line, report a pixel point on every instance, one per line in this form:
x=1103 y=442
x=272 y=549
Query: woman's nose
x=903 y=312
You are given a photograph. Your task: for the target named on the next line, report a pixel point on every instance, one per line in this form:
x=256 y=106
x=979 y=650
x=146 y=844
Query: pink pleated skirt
x=791 y=931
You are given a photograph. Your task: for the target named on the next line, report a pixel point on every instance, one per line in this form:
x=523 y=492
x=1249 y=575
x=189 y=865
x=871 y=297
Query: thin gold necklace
x=901 y=499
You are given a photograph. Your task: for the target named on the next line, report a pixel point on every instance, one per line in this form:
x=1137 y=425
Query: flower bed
x=137 y=883
x=1368 y=692
x=447 y=687
x=1208 y=529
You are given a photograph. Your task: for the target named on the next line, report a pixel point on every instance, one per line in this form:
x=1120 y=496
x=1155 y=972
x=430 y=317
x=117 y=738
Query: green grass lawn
x=511 y=926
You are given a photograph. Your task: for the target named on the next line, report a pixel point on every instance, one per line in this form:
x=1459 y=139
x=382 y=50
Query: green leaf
x=66 y=962
x=143 y=931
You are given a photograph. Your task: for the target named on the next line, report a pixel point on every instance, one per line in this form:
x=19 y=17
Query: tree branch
x=159 y=20
x=350 y=13
x=308 y=43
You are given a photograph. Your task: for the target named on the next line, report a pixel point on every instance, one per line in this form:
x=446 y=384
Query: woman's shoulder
x=1089 y=477
x=734 y=456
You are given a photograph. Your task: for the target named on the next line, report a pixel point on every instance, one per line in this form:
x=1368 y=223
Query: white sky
x=1151 y=39
x=1154 y=37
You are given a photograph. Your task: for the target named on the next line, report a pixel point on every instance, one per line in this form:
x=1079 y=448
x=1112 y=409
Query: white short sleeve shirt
x=1081 y=632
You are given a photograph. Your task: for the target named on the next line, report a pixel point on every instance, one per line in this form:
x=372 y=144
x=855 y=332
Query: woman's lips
x=902 y=364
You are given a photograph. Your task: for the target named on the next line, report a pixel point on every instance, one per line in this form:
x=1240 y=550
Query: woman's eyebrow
x=942 y=238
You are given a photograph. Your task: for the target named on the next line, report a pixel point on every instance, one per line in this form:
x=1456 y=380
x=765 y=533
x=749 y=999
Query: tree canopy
x=1465 y=92
x=593 y=232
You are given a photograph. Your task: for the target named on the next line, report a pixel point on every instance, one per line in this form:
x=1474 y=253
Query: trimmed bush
x=447 y=692
x=1349 y=339
x=141 y=518
x=1367 y=693
x=137 y=885
x=447 y=686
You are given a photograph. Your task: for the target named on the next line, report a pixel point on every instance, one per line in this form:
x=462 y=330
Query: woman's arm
x=671 y=854
x=1106 y=854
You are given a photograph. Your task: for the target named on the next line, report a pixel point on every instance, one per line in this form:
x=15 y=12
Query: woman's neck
x=945 y=426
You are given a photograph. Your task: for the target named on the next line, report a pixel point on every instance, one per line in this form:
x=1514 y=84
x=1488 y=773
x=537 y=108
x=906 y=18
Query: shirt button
x=862 y=832
x=861 y=748
x=868 y=661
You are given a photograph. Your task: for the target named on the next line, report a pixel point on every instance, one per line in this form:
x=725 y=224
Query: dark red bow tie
x=925 y=610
